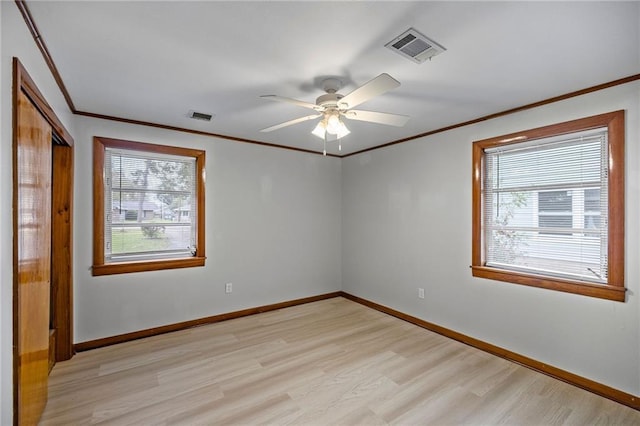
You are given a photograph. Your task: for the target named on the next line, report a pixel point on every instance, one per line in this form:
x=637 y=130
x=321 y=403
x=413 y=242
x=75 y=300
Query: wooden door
x=32 y=192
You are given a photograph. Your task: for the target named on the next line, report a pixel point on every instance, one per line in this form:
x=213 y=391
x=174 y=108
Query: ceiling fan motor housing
x=330 y=100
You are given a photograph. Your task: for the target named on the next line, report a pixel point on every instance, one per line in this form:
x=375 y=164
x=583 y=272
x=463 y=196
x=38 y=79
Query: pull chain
x=324 y=146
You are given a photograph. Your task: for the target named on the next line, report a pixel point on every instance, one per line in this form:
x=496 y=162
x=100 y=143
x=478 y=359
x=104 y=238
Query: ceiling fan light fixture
x=334 y=124
x=319 y=130
x=331 y=125
x=342 y=131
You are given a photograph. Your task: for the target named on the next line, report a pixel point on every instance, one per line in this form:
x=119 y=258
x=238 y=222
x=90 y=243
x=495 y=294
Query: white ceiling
x=155 y=61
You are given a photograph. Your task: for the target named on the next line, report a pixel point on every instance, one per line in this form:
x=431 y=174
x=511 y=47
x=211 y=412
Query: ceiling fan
x=332 y=107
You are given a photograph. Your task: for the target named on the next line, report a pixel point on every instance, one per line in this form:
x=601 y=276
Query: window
x=148 y=207
x=548 y=207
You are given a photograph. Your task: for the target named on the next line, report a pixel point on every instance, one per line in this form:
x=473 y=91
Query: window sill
x=608 y=292
x=141 y=266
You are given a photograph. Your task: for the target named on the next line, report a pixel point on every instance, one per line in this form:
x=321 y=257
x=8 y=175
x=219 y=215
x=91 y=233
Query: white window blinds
x=150 y=206
x=545 y=206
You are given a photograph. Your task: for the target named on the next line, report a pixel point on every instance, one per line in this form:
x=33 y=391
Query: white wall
x=407 y=224
x=16 y=41
x=273 y=225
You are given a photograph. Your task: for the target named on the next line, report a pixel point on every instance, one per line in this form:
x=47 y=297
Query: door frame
x=61 y=224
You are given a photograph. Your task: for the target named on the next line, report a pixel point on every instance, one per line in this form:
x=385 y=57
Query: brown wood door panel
x=61 y=253
x=32 y=192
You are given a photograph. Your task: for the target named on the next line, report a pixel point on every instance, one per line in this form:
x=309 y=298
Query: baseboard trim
x=121 y=338
x=605 y=391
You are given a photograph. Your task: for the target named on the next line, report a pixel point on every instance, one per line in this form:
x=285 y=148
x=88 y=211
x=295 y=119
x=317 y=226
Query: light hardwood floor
x=324 y=363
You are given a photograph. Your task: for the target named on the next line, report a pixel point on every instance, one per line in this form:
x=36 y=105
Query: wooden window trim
x=102 y=268
x=614 y=289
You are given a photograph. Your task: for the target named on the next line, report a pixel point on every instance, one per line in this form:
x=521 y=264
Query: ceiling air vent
x=415 y=46
x=200 y=116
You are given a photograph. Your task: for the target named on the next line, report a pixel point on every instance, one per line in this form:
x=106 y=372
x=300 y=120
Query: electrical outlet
x=228 y=287
x=421 y=293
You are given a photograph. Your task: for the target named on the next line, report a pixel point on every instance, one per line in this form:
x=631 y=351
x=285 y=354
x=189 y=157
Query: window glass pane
x=543 y=207
x=151 y=198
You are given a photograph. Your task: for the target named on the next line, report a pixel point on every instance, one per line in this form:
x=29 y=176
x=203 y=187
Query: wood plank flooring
x=330 y=362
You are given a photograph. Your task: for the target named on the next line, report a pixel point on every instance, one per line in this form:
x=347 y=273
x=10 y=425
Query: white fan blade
x=379 y=85
x=290 y=122
x=292 y=101
x=377 y=117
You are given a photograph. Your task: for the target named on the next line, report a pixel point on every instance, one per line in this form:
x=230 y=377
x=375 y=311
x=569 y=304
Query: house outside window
x=562 y=212
x=548 y=207
x=555 y=212
x=148 y=207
